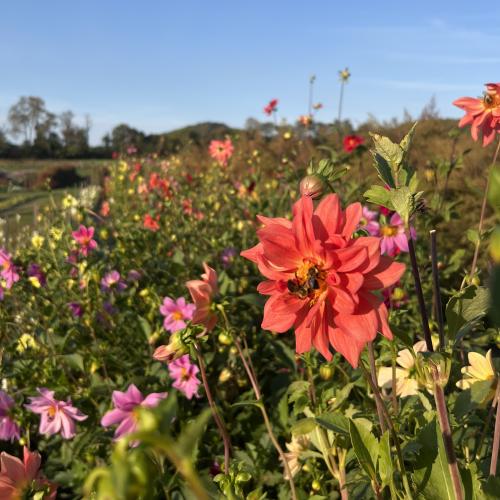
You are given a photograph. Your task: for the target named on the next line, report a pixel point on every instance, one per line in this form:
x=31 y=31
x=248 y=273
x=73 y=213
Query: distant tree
x=75 y=138
x=252 y=124
x=25 y=116
x=123 y=136
x=47 y=143
x=430 y=111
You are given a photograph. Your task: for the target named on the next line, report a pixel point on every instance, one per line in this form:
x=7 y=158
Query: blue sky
x=160 y=65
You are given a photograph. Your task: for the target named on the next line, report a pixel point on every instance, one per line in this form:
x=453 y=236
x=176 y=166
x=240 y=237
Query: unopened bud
x=225 y=375
x=311 y=185
x=326 y=372
x=173 y=350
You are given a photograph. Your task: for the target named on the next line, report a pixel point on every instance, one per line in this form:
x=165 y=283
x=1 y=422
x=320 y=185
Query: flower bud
x=225 y=375
x=311 y=185
x=326 y=372
x=172 y=351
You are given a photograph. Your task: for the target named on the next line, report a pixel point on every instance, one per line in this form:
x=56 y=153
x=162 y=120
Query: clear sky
x=159 y=65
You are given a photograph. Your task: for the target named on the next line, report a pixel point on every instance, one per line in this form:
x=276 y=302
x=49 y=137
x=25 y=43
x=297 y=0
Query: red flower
x=221 y=151
x=321 y=281
x=150 y=223
x=351 y=142
x=482 y=114
x=271 y=107
x=105 y=208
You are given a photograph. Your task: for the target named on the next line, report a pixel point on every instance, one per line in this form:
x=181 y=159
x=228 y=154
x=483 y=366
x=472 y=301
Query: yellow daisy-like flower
x=56 y=233
x=295 y=448
x=406 y=374
x=480 y=369
x=37 y=240
x=24 y=342
x=34 y=281
x=69 y=201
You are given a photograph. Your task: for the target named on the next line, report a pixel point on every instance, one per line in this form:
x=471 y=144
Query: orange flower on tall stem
x=321 y=281
x=202 y=291
x=483 y=115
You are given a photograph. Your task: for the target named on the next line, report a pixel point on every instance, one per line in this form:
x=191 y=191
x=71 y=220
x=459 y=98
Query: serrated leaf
x=379 y=196
x=405 y=143
x=364 y=451
x=391 y=152
x=384 y=170
x=465 y=309
x=403 y=202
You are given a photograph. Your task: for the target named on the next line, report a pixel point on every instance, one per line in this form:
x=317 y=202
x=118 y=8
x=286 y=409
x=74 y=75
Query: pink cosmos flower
x=184 y=372
x=221 y=151
x=125 y=411
x=201 y=292
x=176 y=313
x=305 y=120
x=84 y=237
x=369 y=223
x=8 y=271
x=22 y=479
x=394 y=239
x=483 y=115
x=56 y=416
x=9 y=430
x=321 y=281
x=271 y=107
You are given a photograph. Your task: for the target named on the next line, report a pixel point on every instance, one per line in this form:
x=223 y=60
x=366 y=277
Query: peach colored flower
x=202 y=292
x=483 y=115
x=321 y=281
x=221 y=151
x=22 y=479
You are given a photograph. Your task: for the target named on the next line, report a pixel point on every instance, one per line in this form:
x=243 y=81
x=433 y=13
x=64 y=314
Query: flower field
x=272 y=319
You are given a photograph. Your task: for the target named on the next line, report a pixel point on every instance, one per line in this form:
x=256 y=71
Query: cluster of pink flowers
x=84 y=238
x=8 y=271
x=221 y=151
x=389 y=227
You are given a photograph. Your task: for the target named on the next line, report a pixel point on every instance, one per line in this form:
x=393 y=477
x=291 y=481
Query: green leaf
x=378 y=195
x=145 y=326
x=187 y=441
x=407 y=139
x=304 y=426
x=385 y=466
x=403 y=202
x=465 y=309
x=364 y=452
x=391 y=152
x=435 y=480
x=75 y=361
x=494 y=189
x=334 y=422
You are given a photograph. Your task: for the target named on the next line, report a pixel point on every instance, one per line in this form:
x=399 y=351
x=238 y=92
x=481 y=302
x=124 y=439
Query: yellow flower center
x=309 y=282
x=51 y=412
x=184 y=374
x=177 y=315
x=389 y=230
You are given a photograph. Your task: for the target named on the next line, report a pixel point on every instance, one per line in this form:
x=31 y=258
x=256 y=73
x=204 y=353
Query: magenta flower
x=394 y=239
x=184 y=372
x=84 y=237
x=227 y=256
x=56 y=416
x=35 y=271
x=125 y=413
x=369 y=223
x=8 y=271
x=176 y=313
x=9 y=430
x=113 y=280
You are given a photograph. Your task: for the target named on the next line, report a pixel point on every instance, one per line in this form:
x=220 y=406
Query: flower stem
x=436 y=289
x=496 y=434
x=420 y=294
x=481 y=218
x=218 y=421
x=444 y=424
x=267 y=422
x=371 y=357
x=392 y=430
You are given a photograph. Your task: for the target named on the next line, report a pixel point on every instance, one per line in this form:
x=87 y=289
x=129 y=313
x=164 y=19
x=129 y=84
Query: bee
x=488 y=100
x=309 y=285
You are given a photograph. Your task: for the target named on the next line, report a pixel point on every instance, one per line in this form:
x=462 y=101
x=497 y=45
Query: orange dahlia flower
x=483 y=115
x=321 y=281
x=202 y=291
